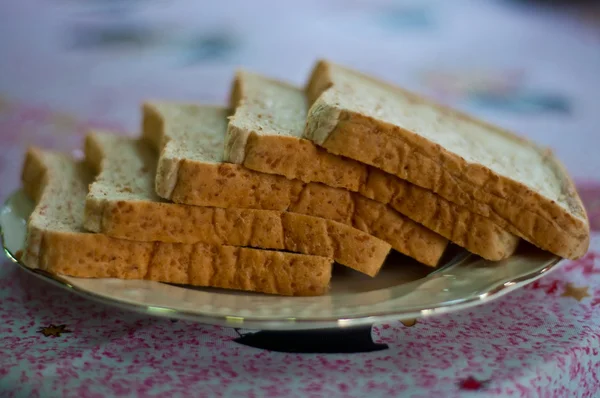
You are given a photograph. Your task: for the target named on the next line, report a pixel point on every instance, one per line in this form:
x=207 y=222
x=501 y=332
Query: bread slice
x=191 y=169
x=199 y=176
x=487 y=170
x=265 y=134
x=122 y=203
x=57 y=243
x=478 y=234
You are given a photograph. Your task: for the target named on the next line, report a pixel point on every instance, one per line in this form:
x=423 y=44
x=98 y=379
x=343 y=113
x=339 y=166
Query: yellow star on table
x=578 y=293
x=53 y=331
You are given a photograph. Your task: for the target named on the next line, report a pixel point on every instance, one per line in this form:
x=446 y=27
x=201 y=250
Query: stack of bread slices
x=265 y=194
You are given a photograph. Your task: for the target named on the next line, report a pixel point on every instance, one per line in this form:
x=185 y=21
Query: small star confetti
x=53 y=331
x=409 y=322
x=472 y=384
x=578 y=293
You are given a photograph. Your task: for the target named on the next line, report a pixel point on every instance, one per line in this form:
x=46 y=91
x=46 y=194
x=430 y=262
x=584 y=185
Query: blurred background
x=68 y=65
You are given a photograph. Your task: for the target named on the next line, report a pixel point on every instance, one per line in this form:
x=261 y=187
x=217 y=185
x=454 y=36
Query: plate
x=403 y=289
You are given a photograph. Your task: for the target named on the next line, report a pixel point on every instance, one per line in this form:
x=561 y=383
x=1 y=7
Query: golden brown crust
x=347 y=245
x=232 y=185
x=87 y=255
x=229 y=185
x=377 y=219
x=409 y=156
x=478 y=234
x=420 y=243
x=98 y=256
x=527 y=213
x=238 y=187
x=93 y=256
x=302 y=160
x=140 y=216
x=275 y=153
x=268 y=229
x=238 y=268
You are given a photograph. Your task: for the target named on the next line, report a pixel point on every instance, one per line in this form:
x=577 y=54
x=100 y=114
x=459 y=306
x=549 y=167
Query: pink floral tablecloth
x=67 y=66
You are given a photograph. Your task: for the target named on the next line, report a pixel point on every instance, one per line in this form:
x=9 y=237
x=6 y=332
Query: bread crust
x=480 y=235
x=143 y=219
x=229 y=185
x=234 y=186
x=81 y=254
x=411 y=157
x=274 y=152
x=251 y=142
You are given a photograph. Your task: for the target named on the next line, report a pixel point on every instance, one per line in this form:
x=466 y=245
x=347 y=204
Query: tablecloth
x=70 y=65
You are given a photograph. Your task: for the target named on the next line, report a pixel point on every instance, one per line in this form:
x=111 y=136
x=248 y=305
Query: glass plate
x=403 y=289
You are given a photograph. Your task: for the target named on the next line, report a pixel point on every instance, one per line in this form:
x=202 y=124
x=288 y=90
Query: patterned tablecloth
x=67 y=66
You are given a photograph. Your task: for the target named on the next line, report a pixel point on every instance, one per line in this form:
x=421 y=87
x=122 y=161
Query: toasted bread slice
x=57 y=243
x=478 y=166
x=200 y=177
x=122 y=203
x=266 y=134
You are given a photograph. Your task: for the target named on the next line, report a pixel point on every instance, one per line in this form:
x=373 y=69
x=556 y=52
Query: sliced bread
x=265 y=134
x=197 y=179
x=478 y=234
x=488 y=170
x=191 y=169
x=266 y=131
x=57 y=243
x=122 y=203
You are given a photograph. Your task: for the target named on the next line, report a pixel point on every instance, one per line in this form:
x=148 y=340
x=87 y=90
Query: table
x=68 y=66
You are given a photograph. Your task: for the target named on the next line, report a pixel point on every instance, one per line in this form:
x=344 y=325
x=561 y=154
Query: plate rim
x=276 y=322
